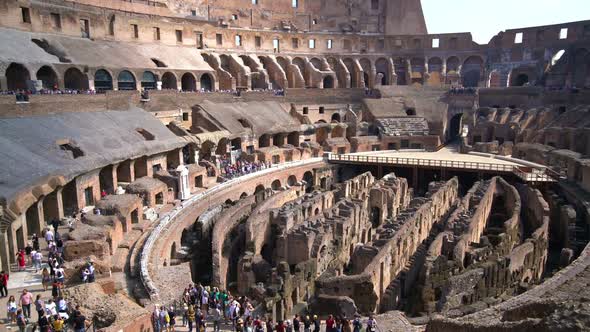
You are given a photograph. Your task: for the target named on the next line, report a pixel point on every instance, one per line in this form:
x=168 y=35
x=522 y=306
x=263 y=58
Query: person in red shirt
x=330 y=324
x=3 y=284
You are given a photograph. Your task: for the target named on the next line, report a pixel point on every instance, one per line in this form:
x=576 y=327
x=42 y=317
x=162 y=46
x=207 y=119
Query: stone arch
x=519 y=80
x=126 y=80
x=382 y=68
x=188 y=82
x=292 y=180
x=149 y=80
x=299 y=62
x=74 y=79
x=169 y=81
x=472 y=70
x=103 y=80
x=341 y=75
x=328 y=82
x=317 y=63
x=48 y=77
x=207 y=83
x=207 y=149
x=222 y=146
x=276 y=184
x=335 y=117
x=17 y=76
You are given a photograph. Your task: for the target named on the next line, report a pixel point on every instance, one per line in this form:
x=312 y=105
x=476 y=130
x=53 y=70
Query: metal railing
x=422 y=162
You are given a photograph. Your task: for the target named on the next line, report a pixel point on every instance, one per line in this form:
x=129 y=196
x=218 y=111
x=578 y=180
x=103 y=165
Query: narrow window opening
x=563 y=33
x=518 y=38
x=258 y=41
x=238 y=40
x=156 y=33
x=135 y=31
x=219 y=39
x=55 y=21
x=322 y=110
x=435 y=43
x=329 y=44
x=179 y=36
x=26 y=13
x=305 y=110
x=312 y=43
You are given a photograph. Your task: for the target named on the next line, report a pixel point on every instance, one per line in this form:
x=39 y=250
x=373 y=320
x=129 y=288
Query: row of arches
x=17 y=77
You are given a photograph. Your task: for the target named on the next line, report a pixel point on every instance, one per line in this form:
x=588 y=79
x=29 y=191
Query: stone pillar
x=60 y=202
x=40 y=217
x=12 y=248
x=4 y=252
x=114 y=176
x=184 y=191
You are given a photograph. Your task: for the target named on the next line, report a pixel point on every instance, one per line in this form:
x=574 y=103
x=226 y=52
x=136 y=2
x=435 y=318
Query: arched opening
x=293 y=139
x=74 y=79
x=455 y=126
x=48 y=77
x=308 y=178
x=276 y=185
x=581 y=67
x=264 y=141
x=148 y=81
x=375 y=217
x=335 y=117
x=259 y=193
x=103 y=80
x=169 y=81
x=207 y=150
x=471 y=72
x=291 y=180
x=453 y=70
x=411 y=111
x=382 y=68
x=126 y=81
x=417 y=70
x=520 y=80
x=188 y=82
x=328 y=82
x=435 y=68
x=206 y=82
x=17 y=76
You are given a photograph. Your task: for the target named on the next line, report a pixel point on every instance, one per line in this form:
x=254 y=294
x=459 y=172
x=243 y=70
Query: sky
x=485 y=18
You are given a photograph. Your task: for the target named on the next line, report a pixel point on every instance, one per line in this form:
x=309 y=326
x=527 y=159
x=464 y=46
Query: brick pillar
x=114 y=176
x=60 y=202
x=40 y=216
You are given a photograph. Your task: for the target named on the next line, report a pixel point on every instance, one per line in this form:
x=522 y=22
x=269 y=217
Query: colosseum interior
x=319 y=157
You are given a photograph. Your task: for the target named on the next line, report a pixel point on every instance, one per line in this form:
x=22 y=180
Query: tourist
x=51 y=308
x=91 y=270
x=37 y=259
x=172 y=318
x=190 y=317
x=21 y=260
x=296 y=323
x=29 y=252
x=269 y=325
x=280 y=326
x=55 y=289
x=156 y=319
x=48 y=236
x=316 y=324
x=371 y=324
x=25 y=302
x=58 y=324
x=55 y=224
x=21 y=321
x=330 y=324
x=45 y=278
x=62 y=305
x=356 y=323
x=3 y=284
x=306 y=324
x=39 y=306
x=184 y=314
x=345 y=324
x=11 y=309
x=216 y=316
x=79 y=321
x=164 y=319
x=60 y=275
x=43 y=323
x=35 y=241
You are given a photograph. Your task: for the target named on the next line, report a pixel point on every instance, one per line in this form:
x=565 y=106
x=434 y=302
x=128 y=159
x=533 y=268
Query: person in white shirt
x=51 y=308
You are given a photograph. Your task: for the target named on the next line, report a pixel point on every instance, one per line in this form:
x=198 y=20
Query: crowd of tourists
x=231 y=170
x=54 y=314
x=202 y=304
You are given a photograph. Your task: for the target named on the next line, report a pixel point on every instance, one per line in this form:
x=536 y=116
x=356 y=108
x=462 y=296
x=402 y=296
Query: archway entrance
x=17 y=76
x=148 y=81
x=169 y=81
x=48 y=77
x=328 y=82
x=126 y=81
x=74 y=79
x=103 y=80
x=206 y=82
x=520 y=80
x=188 y=82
